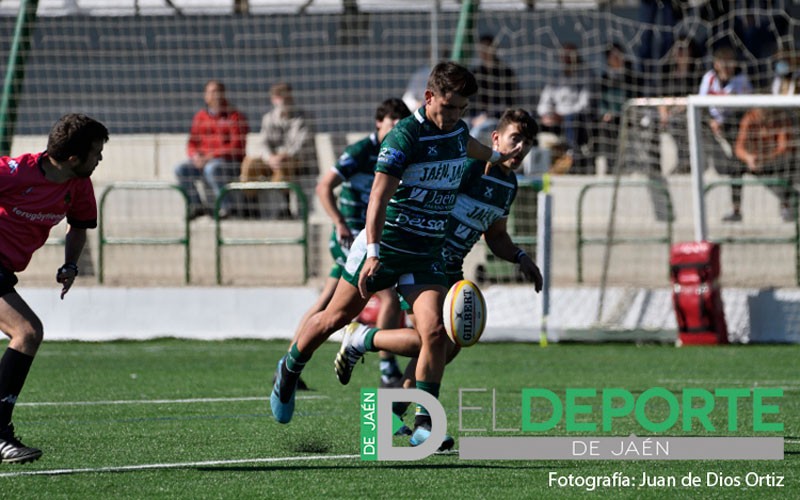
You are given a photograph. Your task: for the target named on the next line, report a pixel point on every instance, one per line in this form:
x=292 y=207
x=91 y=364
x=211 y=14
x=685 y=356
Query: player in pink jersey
x=36 y=192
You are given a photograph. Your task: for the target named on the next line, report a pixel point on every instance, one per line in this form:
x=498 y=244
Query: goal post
x=761 y=247
x=694 y=105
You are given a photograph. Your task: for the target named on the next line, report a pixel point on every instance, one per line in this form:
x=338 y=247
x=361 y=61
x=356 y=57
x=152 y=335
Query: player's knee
x=435 y=336
x=29 y=334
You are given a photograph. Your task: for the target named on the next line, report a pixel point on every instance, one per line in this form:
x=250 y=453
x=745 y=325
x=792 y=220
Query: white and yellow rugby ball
x=464 y=313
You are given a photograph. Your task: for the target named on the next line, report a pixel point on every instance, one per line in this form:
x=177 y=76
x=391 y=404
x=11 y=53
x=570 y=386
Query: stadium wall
x=214 y=313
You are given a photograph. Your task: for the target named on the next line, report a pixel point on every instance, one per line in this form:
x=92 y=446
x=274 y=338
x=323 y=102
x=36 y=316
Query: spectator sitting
x=497 y=89
x=765 y=145
x=286 y=144
x=215 y=149
x=565 y=108
x=618 y=83
x=678 y=77
x=784 y=82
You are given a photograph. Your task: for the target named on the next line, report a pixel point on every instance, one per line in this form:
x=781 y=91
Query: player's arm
x=237 y=138
x=299 y=134
x=264 y=148
x=383 y=187
x=740 y=150
x=781 y=144
x=75 y=240
x=484 y=153
x=327 y=199
x=499 y=242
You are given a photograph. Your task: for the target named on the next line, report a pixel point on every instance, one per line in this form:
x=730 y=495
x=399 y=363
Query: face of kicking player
x=445 y=110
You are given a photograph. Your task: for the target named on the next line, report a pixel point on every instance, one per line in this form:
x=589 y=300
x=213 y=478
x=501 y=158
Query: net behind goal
x=738 y=187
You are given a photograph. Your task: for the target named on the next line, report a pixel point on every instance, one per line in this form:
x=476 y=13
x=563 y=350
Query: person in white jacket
x=565 y=107
x=725 y=78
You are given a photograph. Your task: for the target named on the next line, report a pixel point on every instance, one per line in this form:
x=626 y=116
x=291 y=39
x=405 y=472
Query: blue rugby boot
x=422 y=433
x=283 y=391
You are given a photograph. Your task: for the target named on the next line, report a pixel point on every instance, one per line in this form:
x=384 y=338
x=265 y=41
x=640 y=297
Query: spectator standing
x=657 y=16
x=725 y=78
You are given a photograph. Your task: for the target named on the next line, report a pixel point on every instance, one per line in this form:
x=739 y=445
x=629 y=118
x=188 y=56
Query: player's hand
x=511 y=154
x=370 y=267
x=66 y=275
x=716 y=128
x=344 y=236
x=531 y=271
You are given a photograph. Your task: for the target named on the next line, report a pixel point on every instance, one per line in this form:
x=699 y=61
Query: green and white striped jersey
x=356 y=166
x=430 y=164
x=482 y=200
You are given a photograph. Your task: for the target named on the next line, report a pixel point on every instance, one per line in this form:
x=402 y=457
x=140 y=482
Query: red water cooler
x=695 y=270
x=369 y=315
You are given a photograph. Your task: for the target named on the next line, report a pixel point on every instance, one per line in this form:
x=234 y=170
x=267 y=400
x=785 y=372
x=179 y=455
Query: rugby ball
x=464 y=313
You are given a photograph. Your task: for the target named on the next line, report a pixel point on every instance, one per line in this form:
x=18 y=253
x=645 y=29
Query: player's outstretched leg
x=12 y=451
x=353 y=348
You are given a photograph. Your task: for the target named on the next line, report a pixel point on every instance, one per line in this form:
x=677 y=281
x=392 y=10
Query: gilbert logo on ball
x=464 y=313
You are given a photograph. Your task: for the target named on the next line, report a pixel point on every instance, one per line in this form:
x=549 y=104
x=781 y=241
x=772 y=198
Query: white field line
x=178 y=465
x=156 y=401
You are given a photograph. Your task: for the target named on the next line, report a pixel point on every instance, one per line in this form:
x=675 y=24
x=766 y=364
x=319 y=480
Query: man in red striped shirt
x=37 y=191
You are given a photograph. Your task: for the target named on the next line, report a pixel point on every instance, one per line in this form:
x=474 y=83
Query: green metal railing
x=184 y=239
x=238 y=187
x=582 y=240
x=769 y=240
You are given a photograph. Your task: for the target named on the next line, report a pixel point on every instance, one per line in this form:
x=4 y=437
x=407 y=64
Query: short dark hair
x=449 y=76
x=527 y=125
x=394 y=108
x=217 y=83
x=725 y=52
x=280 y=89
x=74 y=134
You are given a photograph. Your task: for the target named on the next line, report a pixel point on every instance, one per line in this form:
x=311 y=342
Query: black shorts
x=7 y=281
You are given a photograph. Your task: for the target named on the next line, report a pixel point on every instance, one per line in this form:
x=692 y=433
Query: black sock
x=399 y=407
x=421 y=420
x=289 y=379
x=14 y=367
x=290 y=372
